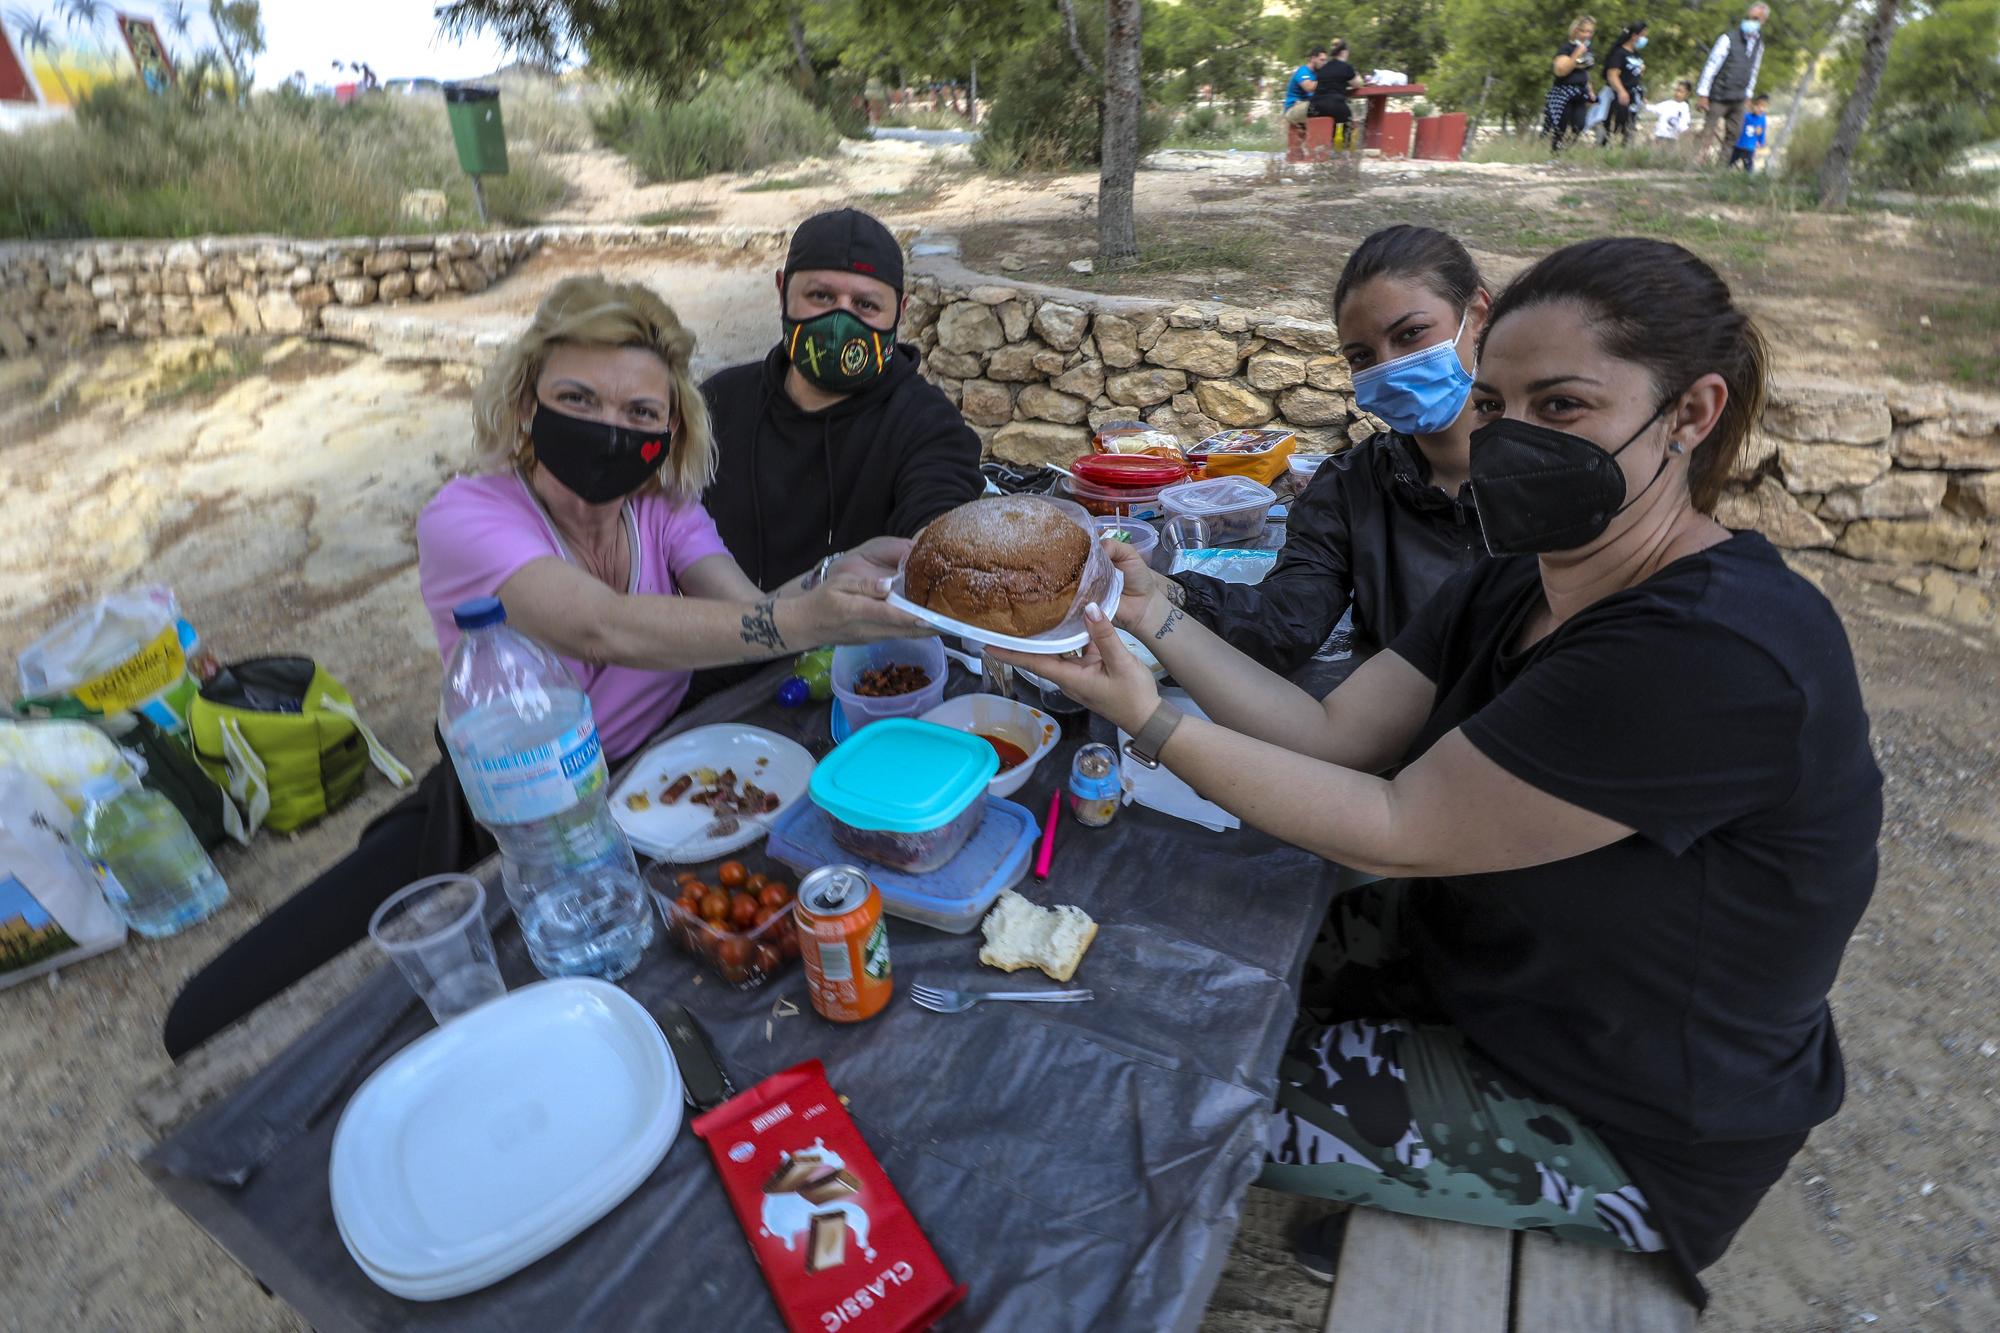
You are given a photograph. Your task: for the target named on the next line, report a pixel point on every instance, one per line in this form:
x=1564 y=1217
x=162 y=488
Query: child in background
x=1752 y=138
x=1674 y=115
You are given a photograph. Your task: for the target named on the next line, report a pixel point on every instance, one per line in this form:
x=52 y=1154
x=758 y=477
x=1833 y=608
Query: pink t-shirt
x=477 y=531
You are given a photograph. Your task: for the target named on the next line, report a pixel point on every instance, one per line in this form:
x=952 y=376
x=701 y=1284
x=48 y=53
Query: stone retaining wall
x=59 y=294
x=1903 y=475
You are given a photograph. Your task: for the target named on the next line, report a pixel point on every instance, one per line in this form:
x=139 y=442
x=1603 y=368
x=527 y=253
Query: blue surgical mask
x=1418 y=394
x=1752 y=26
x=1639 y=45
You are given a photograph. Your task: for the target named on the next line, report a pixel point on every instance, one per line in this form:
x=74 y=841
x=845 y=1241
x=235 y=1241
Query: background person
x=1299 y=90
x=1633 y=816
x=1569 y=96
x=1729 y=80
x=1337 y=78
x=835 y=436
x=1751 y=138
x=1383 y=524
x=1624 y=74
x=1673 y=116
x=585 y=520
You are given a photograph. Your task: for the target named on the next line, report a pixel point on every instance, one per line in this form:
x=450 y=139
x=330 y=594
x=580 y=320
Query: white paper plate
x=674 y=832
x=489 y=1143
x=1049 y=644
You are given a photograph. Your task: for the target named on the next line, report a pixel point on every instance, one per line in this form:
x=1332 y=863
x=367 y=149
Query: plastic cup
x=435 y=932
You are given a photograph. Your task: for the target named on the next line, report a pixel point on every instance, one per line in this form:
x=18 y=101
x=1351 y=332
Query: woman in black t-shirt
x=1569 y=96
x=1632 y=816
x=1623 y=70
x=1336 y=80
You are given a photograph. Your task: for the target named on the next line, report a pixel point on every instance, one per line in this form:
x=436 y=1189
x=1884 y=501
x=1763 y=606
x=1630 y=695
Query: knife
x=702 y=1077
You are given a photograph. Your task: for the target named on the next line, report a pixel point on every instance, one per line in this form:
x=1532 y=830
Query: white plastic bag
x=64 y=755
x=122 y=653
x=52 y=912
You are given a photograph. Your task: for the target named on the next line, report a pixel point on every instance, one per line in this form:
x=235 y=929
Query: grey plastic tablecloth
x=1077 y=1166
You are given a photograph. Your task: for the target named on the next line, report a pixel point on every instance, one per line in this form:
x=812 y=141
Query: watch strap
x=1152 y=738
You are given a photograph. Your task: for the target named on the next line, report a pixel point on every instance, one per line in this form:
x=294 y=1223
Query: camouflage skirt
x=1380 y=1108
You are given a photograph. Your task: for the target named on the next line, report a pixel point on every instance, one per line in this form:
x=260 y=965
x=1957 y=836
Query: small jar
x=1093 y=785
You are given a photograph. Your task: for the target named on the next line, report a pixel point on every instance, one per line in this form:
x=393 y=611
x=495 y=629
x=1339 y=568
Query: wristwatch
x=1145 y=747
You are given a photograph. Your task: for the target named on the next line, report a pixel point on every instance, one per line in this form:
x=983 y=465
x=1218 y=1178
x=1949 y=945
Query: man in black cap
x=834 y=437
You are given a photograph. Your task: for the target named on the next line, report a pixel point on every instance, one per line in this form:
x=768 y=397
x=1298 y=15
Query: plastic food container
x=952 y=898
x=744 y=959
x=990 y=717
x=860 y=709
x=1231 y=509
x=1141 y=535
x=905 y=794
x=1122 y=485
x=1257 y=454
x=1302 y=468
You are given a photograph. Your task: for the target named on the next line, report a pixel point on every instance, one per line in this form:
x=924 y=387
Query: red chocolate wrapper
x=839 y=1250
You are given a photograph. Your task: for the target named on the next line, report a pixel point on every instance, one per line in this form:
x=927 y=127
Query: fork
x=942 y=1001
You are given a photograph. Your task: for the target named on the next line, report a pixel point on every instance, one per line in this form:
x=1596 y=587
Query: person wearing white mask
x=1729 y=81
x=1383 y=524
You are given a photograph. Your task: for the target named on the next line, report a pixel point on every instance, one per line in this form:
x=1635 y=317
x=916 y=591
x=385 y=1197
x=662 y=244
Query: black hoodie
x=792 y=486
x=1371 y=531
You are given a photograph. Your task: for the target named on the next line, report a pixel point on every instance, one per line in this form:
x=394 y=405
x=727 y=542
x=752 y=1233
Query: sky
x=397 y=38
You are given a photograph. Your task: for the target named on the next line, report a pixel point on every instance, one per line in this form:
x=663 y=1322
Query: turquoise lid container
x=900 y=775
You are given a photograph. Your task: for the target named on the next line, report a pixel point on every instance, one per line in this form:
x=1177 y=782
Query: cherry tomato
x=757 y=882
x=764 y=914
x=787 y=942
x=715 y=906
x=766 y=959
x=732 y=874
x=774 y=896
x=743 y=910
x=733 y=952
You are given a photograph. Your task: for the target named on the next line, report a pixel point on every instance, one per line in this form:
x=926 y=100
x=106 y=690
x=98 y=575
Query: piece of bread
x=1007 y=563
x=1020 y=934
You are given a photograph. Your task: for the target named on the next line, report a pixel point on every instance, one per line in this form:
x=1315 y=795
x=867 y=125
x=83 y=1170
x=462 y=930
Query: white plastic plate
x=674 y=832
x=485 y=1145
x=1049 y=644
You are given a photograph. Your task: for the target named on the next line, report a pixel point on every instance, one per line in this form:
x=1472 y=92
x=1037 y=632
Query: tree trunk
x=797 y=27
x=1075 y=46
x=1117 y=234
x=1835 y=175
x=972 y=94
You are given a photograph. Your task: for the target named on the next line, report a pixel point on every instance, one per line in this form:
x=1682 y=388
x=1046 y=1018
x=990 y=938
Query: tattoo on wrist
x=760 y=627
x=1174 y=617
x=1176 y=593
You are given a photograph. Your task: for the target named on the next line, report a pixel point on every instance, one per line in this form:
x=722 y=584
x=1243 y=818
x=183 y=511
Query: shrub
x=728 y=125
x=130 y=164
x=1918 y=152
x=1045 y=114
x=1806 y=148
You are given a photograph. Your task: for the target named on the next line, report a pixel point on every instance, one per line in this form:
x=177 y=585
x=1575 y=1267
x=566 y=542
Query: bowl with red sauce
x=1021 y=735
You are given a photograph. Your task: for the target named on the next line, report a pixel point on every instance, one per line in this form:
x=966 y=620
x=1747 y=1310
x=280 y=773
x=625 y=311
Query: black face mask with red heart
x=600 y=463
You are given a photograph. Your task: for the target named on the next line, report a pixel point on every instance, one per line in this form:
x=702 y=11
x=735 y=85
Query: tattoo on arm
x=1176 y=593
x=760 y=628
x=1174 y=617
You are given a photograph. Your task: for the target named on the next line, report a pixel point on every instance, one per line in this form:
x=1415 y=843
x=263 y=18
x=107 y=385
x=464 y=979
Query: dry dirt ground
x=278 y=502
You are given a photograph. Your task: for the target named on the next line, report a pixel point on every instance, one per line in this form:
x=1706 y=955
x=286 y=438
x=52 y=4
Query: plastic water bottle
x=520 y=733
x=155 y=873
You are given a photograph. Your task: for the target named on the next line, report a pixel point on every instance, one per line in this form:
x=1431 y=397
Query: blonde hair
x=1578 y=22
x=591 y=311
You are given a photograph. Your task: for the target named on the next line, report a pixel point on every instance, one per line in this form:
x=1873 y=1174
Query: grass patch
x=727 y=125
x=774 y=184
x=1173 y=250
x=233 y=361
x=923 y=118
x=672 y=217
x=129 y=164
x=1215 y=128
x=1965 y=337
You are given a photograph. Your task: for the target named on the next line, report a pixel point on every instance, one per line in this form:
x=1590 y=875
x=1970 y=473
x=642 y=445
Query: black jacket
x=1369 y=530
x=792 y=486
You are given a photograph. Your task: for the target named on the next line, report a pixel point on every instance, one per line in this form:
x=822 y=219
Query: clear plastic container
x=952 y=898
x=905 y=794
x=1140 y=534
x=1231 y=509
x=1121 y=485
x=744 y=958
x=849 y=662
x=1302 y=468
x=160 y=880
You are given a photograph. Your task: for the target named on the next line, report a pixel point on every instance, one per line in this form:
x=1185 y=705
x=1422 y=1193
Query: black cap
x=847 y=240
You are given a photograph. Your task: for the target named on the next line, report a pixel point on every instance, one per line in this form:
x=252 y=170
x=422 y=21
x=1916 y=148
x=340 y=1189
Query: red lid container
x=1140 y=470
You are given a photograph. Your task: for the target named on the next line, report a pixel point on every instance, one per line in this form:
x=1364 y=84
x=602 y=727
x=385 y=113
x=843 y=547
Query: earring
x=1674 y=447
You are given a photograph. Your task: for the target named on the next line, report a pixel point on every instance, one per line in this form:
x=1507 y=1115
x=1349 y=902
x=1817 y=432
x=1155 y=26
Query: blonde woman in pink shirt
x=584 y=517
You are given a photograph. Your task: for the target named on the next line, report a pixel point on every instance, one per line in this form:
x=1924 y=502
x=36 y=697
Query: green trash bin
x=476 y=128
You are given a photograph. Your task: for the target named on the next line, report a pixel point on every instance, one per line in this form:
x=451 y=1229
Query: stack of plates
x=492 y=1141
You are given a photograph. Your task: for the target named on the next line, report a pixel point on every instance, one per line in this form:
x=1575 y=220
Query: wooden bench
x=1412 y=1275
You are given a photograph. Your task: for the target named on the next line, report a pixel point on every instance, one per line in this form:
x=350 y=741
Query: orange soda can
x=844 y=943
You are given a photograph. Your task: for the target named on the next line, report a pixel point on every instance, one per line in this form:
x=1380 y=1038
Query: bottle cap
x=793 y=692
x=103 y=787
x=479 y=613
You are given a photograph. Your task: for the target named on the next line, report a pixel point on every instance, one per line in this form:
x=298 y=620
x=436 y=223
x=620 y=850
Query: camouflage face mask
x=837 y=352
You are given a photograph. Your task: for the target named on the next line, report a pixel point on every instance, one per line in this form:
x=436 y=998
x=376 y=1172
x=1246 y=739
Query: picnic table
x=1374 y=99
x=1078 y=1166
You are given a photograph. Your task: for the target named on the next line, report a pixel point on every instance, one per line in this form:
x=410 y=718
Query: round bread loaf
x=1008 y=563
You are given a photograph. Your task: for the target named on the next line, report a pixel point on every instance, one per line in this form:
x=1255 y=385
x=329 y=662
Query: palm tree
x=179 y=21
x=85 y=14
x=37 y=36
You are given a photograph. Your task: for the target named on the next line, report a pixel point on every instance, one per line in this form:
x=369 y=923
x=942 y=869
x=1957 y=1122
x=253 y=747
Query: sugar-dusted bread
x=1020 y=934
x=1007 y=563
